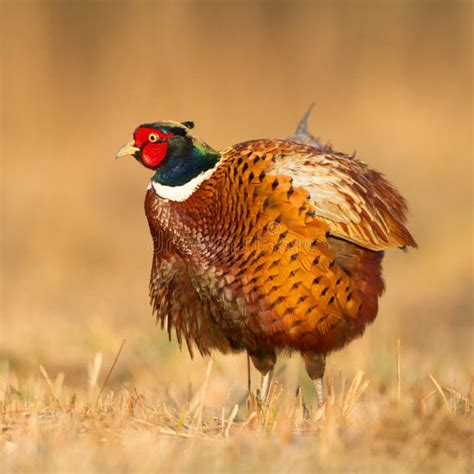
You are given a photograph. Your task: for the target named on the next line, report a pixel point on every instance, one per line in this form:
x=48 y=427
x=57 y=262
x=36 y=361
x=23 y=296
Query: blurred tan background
x=392 y=80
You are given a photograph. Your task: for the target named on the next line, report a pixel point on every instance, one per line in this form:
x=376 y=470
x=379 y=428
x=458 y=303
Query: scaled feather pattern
x=280 y=249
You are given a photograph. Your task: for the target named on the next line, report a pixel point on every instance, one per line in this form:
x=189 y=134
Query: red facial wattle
x=153 y=144
x=154 y=153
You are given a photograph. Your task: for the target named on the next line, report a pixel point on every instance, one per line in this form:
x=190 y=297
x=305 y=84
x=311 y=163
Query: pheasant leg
x=264 y=362
x=315 y=366
x=265 y=386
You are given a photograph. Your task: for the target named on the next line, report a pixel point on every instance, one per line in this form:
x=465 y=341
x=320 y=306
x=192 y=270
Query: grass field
x=146 y=419
x=391 y=79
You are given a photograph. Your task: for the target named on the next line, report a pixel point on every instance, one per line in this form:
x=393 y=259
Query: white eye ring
x=153 y=137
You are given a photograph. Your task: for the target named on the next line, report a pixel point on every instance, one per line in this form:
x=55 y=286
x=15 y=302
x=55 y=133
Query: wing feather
x=357 y=202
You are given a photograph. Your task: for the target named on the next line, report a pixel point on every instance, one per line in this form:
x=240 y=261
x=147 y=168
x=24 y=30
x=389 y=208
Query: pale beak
x=127 y=150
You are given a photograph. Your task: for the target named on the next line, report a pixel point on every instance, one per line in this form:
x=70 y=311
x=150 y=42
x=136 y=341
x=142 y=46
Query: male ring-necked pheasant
x=265 y=246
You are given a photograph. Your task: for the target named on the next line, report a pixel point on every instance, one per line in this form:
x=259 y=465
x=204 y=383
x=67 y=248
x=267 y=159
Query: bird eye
x=153 y=137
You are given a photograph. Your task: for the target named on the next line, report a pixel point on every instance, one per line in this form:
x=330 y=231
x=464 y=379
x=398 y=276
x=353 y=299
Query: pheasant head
x=172 y=151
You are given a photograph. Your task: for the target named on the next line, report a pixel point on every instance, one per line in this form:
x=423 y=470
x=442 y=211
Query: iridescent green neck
x=186 y=159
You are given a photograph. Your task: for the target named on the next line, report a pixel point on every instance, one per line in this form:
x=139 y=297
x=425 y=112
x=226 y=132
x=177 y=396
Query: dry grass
x=47 y=426
x=391 y=79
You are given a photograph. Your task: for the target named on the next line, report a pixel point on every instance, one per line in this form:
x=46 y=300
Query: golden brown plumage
x=247 y=262
x=280 y=248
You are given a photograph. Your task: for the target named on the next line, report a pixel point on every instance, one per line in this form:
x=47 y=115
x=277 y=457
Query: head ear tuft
x=188 y=124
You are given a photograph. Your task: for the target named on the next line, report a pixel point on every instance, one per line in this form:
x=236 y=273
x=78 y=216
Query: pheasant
x=266 y=246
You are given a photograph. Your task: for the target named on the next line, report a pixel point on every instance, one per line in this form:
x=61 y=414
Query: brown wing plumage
x=357 y=202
